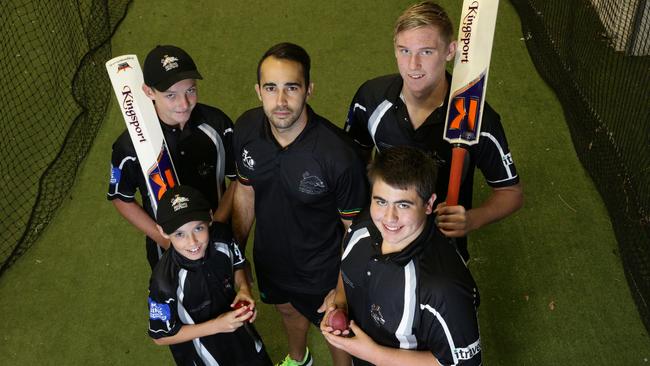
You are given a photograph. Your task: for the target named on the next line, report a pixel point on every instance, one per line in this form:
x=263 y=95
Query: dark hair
x=288 y=51
x=405 y=167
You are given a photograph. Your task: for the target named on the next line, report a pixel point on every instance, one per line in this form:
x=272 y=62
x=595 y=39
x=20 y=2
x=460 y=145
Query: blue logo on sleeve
x=159 y=311
x=116 y=173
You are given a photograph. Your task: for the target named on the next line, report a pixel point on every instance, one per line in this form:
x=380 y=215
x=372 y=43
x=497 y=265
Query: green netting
x=56 y=92
x=595 y=54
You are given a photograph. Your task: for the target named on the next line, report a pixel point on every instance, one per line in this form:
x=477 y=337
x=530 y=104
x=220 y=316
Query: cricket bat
x=468 y=84
x=144 y=128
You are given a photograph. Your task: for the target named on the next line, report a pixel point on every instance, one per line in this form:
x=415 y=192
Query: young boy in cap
x=196 y=286
x=198 y=137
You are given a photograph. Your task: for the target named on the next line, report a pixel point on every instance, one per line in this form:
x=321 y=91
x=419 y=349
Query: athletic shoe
x=288 y=361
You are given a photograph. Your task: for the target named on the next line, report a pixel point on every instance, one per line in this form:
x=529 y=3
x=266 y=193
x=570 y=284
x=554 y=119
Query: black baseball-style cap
x=167 y=65
x=180 y=205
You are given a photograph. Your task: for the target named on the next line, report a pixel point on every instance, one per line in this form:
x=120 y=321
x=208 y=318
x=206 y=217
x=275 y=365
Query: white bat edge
x=473 y=53
x=139 y=115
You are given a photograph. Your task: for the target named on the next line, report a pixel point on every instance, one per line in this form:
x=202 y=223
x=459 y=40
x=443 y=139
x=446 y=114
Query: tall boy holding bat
x=409 y=109
x=198 y=137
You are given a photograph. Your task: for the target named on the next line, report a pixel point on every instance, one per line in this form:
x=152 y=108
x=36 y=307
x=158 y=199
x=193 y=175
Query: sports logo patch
x=179 y=202
x=311 y=184
x=247 y=160
x=159 y=311
x=116 y=174
x=375 y=312
x=466 y=353
x=169 y=62
x=507 y=159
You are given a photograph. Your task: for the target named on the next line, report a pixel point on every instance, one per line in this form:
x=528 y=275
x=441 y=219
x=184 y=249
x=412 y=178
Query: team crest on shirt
x=247 y=160
x=311 y=184
x=204 y=169
x=169 y=62
x=375 y=312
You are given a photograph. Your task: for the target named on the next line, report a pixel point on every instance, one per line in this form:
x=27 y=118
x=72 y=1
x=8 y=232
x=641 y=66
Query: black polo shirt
x=201 y=153
x=184 y=291
x=302 y=192
x=422 y=298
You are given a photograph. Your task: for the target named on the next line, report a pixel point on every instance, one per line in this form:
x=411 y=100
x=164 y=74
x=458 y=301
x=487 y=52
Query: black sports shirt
x=184 y=291
x=378 y=117
x=302 y=192
x=201 y=153
x=422 y=298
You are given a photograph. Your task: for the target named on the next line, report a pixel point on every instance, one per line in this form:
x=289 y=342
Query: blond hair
x=423 y=14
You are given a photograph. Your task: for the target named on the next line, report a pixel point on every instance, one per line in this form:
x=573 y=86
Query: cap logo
x=179 y=203
x=169 y=62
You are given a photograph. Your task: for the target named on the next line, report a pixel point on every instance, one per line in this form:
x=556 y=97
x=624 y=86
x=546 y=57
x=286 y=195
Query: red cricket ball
x=241 y=303
x=338 y=320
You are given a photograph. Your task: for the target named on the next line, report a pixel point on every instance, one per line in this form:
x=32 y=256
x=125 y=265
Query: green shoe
x=288 y=361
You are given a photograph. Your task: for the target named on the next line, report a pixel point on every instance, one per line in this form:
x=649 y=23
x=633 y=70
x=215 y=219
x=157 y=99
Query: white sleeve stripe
x=120 y=194
x=504 y=156
x=502 y=180
x=357 y=105
x=221 y=153
x=404 y=332
x=376 y=116
x=117 y=185
x=158 y=330
x=187 y=319
x=356 y=236
x=132 y=158
x=223 y=248
x=450 y=340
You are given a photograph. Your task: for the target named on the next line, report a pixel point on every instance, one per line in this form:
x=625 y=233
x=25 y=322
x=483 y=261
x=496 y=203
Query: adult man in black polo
x=303 y=184
x=409 y=109
x=411 y=299
x=199 y=138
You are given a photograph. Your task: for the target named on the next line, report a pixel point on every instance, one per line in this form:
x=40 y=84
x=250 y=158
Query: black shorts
x=306 y=304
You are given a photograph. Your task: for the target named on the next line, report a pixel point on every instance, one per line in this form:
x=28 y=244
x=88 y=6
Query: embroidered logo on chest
x=375 y=312
x=204 y=169
x=311 y=184
x=247 y=160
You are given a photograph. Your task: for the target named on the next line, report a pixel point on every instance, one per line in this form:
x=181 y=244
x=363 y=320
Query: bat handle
x=456 y=173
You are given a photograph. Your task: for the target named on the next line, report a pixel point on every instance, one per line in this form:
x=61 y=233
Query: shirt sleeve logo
x=507 y=159
x=311 y=184
x=159 y=311
x=466 y=353
x=247 y=160
x=116 y=174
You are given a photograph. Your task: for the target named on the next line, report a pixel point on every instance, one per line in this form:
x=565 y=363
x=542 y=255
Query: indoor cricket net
x=56 y=95
x=595 y=54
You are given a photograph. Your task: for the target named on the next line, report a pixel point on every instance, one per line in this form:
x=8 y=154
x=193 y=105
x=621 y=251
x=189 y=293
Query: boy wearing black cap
x=198 y=137
x=195 y=286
